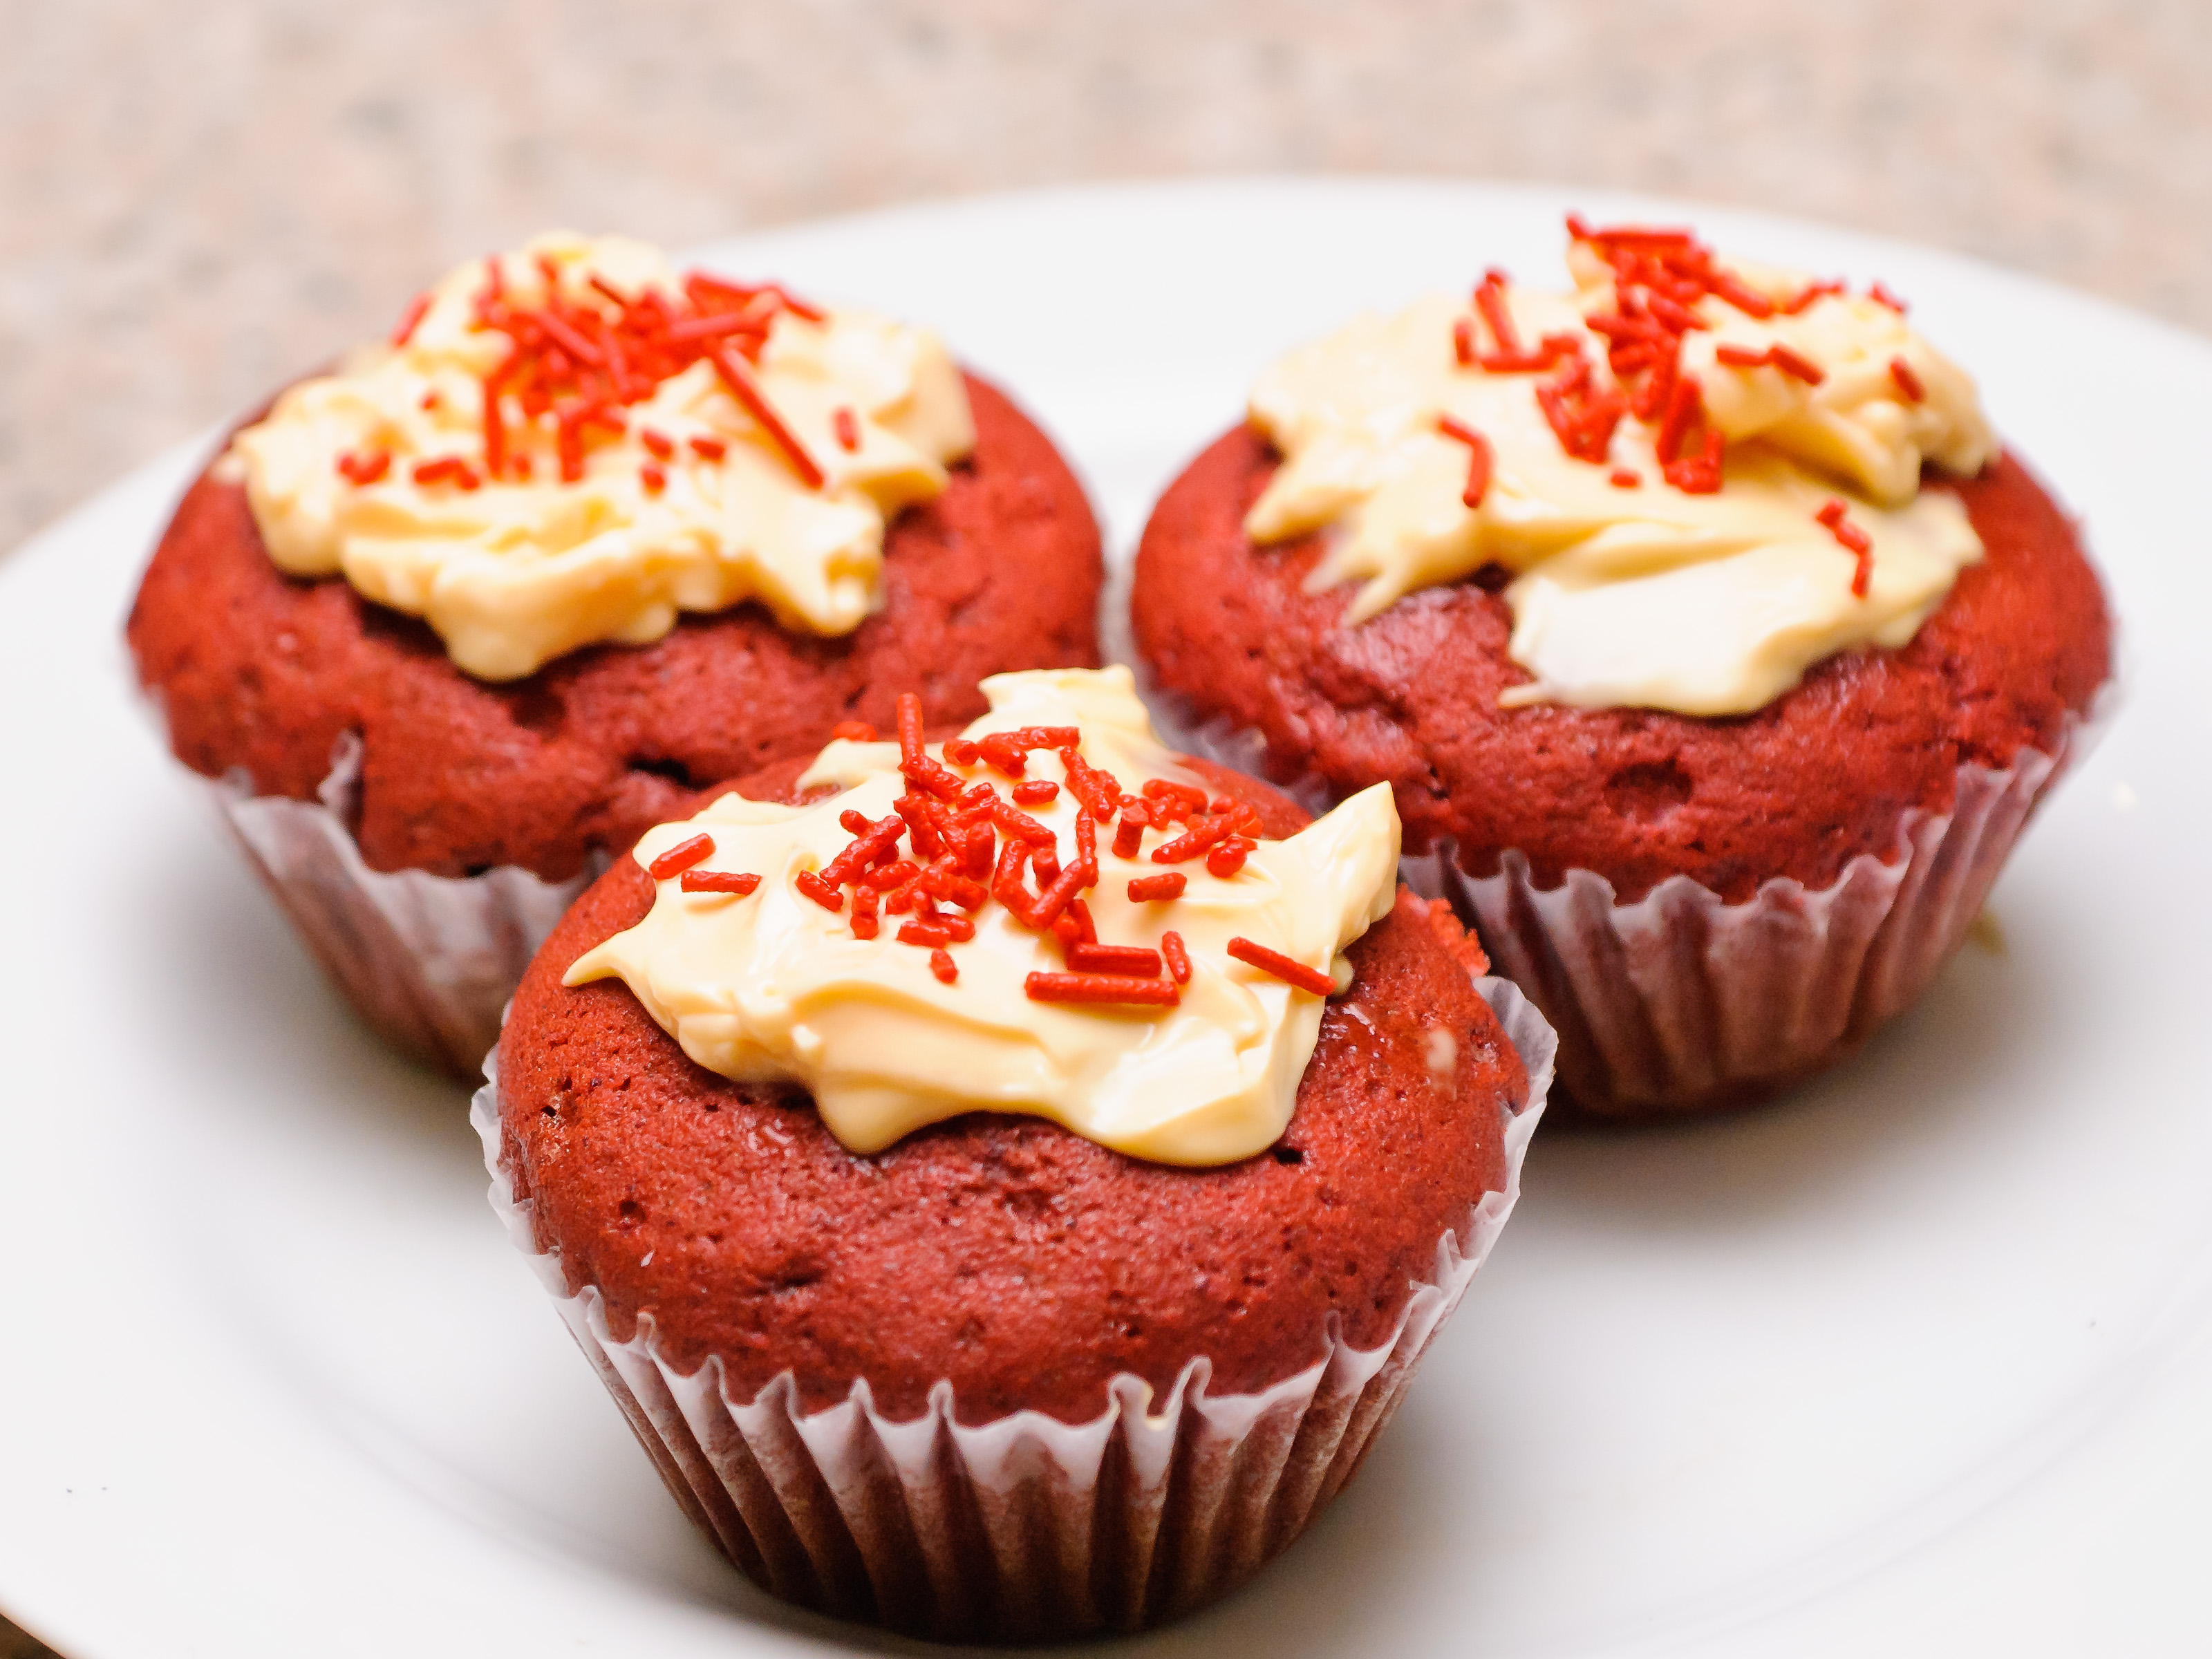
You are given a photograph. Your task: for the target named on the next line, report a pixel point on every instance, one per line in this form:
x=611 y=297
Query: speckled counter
x=197 y=202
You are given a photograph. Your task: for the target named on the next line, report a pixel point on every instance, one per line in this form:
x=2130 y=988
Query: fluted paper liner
x=1682 y=1002
x=429 y=961
x=1025 y=1526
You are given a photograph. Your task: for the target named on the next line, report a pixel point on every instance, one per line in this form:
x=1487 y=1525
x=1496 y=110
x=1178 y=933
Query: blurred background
x=198 y=203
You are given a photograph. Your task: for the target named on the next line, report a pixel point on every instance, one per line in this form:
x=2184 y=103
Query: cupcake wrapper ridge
x=1023 y=1527
x=1681 y=1001
x=428 y=961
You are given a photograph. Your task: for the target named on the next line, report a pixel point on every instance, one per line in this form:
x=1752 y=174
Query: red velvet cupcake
x=447 y=628
x=1714 y=651
x=981 y=1247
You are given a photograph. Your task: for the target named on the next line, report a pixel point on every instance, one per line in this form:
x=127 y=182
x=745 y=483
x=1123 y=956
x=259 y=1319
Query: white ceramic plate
x=1917 y=1361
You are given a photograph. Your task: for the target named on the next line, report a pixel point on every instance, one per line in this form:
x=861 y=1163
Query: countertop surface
x=197 y=203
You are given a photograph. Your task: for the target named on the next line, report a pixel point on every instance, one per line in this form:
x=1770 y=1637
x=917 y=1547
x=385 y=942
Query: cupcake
x=1007 y=1182
x=446 y=629
x=1714 y=649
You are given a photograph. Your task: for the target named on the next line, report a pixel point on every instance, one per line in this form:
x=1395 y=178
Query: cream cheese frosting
x=1626 y=590
x=769 y=985
x=682 y=498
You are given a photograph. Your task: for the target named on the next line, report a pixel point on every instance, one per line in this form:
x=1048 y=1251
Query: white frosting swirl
x=771 y=985
x=515 y=571
x=1646 y=596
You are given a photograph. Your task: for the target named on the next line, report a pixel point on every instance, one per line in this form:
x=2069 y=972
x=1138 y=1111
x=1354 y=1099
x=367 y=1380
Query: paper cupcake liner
x=1023 y=1527
x=429 y=961
x=1681 y=1001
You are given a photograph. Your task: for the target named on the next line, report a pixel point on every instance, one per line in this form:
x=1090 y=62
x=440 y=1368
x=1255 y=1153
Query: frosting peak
x=1194 y=1062
x=575 y=443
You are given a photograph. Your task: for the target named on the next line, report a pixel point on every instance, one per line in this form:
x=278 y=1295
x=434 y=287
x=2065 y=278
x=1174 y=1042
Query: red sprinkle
x=1227 y=859
x=1490 y=301
x=1098 y=790
x=982 y=848
x=1776 y=356
x=871 y=843
x=854 y=731
x=865 y=922
x=360 y=470
x=746 y=390
x=942 y=965
x=1284 y=968
x=681 y=857
x=1178 y=959
x=656 y=443
x=920 y=770
x=1037 y=792
x=1086 y=929
x=1194 y=840
x=1478 y=467
x=1672 y=312
x=1511 y=358
x=1007 y=758
x=718 y=881
x=908 y=714
x=1854 y=540
x=1685 y=407
x=409 y=320
x=649 y=474
x=711 y=449
x=1133 y=959
x=819 y=890
x=1129 y=838
x=444 y=469
x=1101 y=987
x=1849 y=534
x=846 y=429
x=1797 y=367
x=1632 y=235
x=1880 y=295
x=1807 y=295
x=1698 y=474
x=1040 y=737
x=1180 y=800
x=495 y=424
x=1086 y=849
x=1748 y=300
x=1625 y=477
x=1167 y=884
x=1580 y=416
x=1907 y=381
